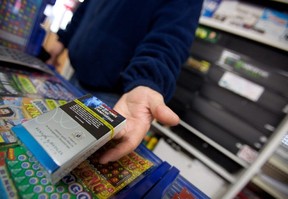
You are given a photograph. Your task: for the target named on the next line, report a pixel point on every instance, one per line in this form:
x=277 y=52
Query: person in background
x=129 y=53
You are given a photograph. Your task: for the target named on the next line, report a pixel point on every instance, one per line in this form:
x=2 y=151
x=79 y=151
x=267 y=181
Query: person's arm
x=64 y=36
x=158 y=58
x=152 y=73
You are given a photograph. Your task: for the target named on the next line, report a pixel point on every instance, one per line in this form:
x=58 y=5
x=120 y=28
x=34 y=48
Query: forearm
x=64 y=36
x=159 y=57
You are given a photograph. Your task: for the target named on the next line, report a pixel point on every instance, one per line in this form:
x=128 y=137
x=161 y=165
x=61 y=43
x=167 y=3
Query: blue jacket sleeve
x=158 y=58
x=65 y=36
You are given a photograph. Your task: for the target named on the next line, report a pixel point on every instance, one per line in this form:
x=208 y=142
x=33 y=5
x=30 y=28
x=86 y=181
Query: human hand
x=139 y=106
x=54 y=51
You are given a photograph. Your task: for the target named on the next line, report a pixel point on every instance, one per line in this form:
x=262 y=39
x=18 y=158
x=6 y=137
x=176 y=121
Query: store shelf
x=273 y=177
x=281 y=1
x=278 y=163
x=244 y=33
x=196 y=153
x=267 y=188
x=263 y=157
x=262 y=43
x=239 y=180
x=214 y=144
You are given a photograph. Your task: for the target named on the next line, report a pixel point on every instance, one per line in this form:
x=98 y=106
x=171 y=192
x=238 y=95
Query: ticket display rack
x=27 y=92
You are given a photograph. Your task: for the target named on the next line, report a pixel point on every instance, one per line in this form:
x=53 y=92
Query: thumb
x=162 y=113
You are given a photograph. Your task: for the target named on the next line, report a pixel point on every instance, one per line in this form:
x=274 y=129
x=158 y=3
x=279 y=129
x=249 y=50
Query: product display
x=19 y=110
x=207 y=149
x=64 y=137
x=243 y=87
x=230 y=95
x=21 y=24
x=33 y=97
x=87 y=179
x=20 y=58
x=15 y=82
x=248 y=111
x=255 y=71
x=229 y=122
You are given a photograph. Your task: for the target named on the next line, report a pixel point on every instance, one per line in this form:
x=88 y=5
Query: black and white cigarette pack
x=64 y=137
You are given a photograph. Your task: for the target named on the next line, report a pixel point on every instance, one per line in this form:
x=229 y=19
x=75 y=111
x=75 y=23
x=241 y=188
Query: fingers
x=129 y=139
x=165 y=115
x=127 y=143
x=118 y=151
x=161 y=112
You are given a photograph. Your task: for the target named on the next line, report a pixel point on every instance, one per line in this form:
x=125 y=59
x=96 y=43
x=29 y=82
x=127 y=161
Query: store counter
x=27 y=92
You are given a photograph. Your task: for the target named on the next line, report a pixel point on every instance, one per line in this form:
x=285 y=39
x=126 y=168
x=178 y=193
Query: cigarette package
x=62 y=138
